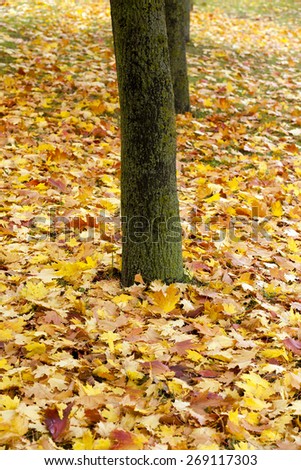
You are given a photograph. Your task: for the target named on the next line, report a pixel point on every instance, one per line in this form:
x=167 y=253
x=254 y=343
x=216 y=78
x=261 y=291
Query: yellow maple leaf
x=85 y=193
x=292 y=245
x=39 y=259
x=3 y=287
x=64 y=113
x=224 y=356
x=233 y=416
x=72 y=243
x=91 y=263
x=271 y=353
x=46 y=147
x=34 y=290
x=272 y=289
x=92 y=391
x=8 y=403
x=229 y=87
x=234 y=184
x=243 y=446
x=294 y=317
x=122 y=299
x=166 y=301
x=208 y=103
x=246 y=278
x=102 y=371
x=208 y=446
x=6 y=335
x=134 y=375
x=253 y=418
x=229 y=309
x=72 y=270
x=269 y=435
x=177 y=387
x=111 y=414
x=276 y=208
x=109 y=338
x=108 y=180
x=87 y=442
x=17 y=325
x=110 y=204
x=10 y=382
x=254 y=403
x=255 y=386
x=215 y=197
x=12 y=425
x=4 y=364
x=234 y=426
x=102 y=444
x=212 y=310
x=194 y=356
x=35 y=348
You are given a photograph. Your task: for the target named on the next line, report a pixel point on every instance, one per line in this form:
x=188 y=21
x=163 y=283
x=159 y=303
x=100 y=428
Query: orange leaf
x=168 y=300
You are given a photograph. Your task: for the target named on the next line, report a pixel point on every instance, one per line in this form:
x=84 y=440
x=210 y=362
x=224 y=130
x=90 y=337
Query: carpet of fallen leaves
x=211 y=364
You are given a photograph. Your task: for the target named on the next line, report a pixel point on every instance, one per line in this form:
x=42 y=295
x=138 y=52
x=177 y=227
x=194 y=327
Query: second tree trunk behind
x=176 y=16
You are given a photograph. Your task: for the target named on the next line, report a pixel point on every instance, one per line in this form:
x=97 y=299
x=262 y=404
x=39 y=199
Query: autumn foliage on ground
x=211 y=364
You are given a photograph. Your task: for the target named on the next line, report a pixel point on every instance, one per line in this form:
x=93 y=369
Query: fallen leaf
x=56 y=425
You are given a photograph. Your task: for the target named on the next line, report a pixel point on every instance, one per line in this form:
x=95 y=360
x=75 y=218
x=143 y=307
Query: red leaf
x=58 y=184
x=55 y=425
x=99 y=132
x=33 y=182
x=93 y=415
x=208 y=373
x=122 y=440
x=156 y=367
x=293 y=345
x=198 y=265
x=182 y=346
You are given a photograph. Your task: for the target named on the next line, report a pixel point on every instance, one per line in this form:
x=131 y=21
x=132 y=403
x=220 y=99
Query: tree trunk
x=149 y=203
x=187 y=10
x=175 y=22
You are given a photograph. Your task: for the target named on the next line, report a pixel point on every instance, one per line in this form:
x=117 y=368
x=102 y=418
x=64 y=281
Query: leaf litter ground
x=211 y=364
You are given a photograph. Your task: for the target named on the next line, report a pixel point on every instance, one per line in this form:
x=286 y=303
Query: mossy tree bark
x=187 y=10
x=149 y=203
x=175 y=22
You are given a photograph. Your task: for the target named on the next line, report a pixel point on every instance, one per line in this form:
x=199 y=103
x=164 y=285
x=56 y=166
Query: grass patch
x=281 y=11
